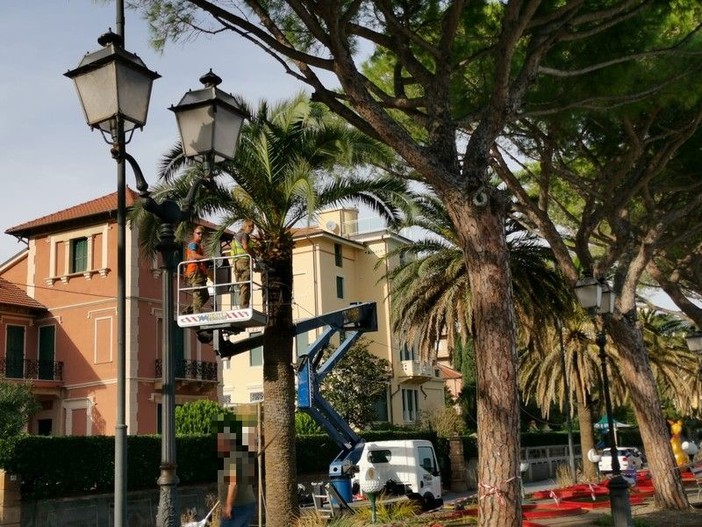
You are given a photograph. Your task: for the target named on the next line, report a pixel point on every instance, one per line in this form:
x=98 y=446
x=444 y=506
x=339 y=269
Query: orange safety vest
x=194 y=254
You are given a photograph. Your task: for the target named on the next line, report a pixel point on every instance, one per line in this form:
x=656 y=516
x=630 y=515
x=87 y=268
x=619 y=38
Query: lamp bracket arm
x=161 y=211
x=190 y=198
x=142 y=185
x=120 y=154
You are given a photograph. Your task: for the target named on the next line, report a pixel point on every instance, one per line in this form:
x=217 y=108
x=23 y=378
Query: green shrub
x=196 y=417
x=305 y=425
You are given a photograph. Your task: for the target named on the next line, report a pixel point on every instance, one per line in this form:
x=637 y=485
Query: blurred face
x=225 y=443
x=199 y=234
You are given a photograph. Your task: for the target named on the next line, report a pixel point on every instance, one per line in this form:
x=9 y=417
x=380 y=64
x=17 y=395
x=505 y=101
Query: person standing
x=196 y=271
x=237 y=452
x=242 y=253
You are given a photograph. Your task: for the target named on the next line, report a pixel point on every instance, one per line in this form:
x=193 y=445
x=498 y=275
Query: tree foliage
x=445 y=421
x=431 y=293
x=17 y=406
x=355 y=384
x=305 y=425
x=198 y=417
x=472 y=70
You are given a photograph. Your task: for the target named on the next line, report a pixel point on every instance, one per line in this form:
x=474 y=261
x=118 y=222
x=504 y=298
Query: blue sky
x=49 y=158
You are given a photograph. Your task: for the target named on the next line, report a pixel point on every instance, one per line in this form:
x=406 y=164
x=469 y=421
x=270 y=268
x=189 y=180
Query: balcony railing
x=43 y=370
x=414 y=371
x=191 y=370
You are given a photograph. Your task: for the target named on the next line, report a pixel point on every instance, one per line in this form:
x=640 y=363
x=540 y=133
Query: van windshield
x=426 y=455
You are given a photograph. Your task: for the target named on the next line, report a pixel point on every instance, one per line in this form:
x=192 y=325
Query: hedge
x=53 y=466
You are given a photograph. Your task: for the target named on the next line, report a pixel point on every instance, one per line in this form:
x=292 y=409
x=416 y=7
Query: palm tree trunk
x=279 y=398
x=587 y=436
x=485 y=247
x=637 y=374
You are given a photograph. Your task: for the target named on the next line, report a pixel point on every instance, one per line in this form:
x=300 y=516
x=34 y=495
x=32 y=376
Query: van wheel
x=427 y=501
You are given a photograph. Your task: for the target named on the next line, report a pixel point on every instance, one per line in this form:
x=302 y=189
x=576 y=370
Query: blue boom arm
x=353 y=322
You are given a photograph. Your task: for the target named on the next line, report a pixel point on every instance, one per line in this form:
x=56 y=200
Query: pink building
x=58 y=324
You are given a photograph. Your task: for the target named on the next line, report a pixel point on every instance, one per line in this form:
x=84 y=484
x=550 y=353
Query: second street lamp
x=598 y=298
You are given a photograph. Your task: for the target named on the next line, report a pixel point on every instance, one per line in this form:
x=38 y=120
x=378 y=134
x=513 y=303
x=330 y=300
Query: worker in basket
x=240 y=248
x=196 y=272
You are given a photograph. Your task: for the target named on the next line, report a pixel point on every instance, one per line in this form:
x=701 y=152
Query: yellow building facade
x=335 y=263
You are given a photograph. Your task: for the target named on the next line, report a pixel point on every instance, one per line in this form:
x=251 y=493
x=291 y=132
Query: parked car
x=629 y=458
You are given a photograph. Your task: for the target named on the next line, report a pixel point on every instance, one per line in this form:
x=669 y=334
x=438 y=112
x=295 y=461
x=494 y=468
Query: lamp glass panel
x=196 y=127
x=694 y=343
x=589 y=294
x=227 y=127
x=97 y=92
x=134 y=89
x=607 y=304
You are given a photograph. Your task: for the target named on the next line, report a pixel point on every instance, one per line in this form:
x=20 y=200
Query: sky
x=49 y=158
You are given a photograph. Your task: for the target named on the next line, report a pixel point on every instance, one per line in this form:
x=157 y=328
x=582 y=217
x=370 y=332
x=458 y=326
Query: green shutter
x=47 y=346
x=79 y=255
x=14 y=352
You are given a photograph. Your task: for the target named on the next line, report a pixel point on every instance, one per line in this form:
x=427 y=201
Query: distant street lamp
x=597 y=297
x=114 y=87
x=694 y=341
x=694 y=344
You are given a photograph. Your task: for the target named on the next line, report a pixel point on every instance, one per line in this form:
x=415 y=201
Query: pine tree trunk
x=634 y=368
x=485 y=247
x=279 y=399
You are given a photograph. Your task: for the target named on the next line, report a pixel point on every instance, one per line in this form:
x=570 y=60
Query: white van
x=408 y=466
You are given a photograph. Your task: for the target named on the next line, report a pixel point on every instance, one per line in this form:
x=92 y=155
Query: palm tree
x=431 y=299
x=670 y=358
x=574 y=370
x=542 y=376
x=431 y=295
x=294 y=159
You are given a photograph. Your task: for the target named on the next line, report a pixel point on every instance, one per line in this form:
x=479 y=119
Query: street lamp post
x=694 y=344
x=113 y=86
x=598 y=298
x=209 y=122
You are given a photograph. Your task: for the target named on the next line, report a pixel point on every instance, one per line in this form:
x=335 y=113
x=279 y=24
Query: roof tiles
x=10 y=294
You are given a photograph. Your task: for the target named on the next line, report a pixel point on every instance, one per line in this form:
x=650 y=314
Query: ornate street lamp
x=588 y=290
x=597 y=297
x=209 y=121
x=170 y=215
x=114 y=87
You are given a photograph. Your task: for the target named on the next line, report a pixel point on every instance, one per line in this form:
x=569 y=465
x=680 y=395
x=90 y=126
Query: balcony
x=190 y=372
x=416 y=372
x=26 y=369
